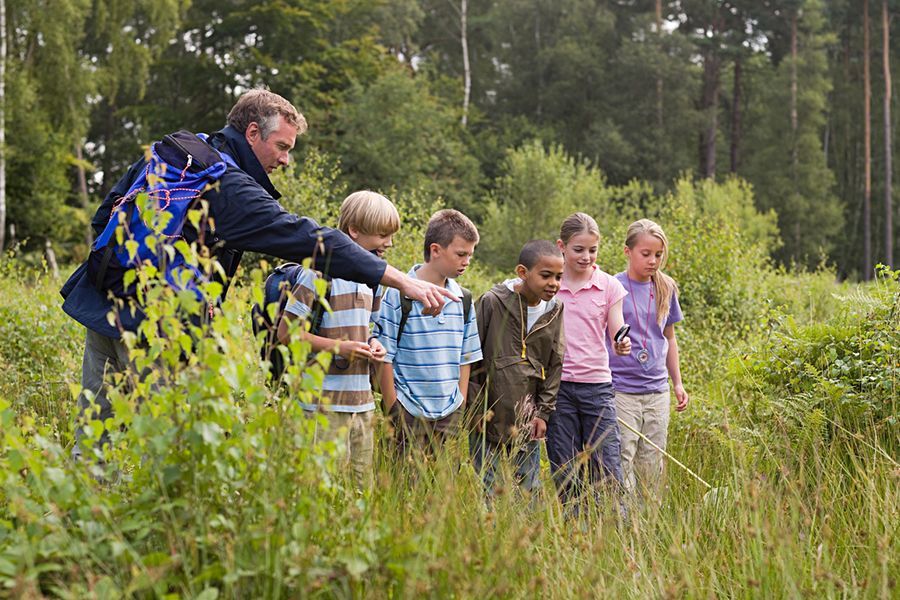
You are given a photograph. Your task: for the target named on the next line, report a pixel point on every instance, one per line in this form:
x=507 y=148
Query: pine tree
x=888 y=150
x=790 y=175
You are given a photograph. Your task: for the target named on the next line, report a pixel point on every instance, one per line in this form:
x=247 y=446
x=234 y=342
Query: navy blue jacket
x=246 y=217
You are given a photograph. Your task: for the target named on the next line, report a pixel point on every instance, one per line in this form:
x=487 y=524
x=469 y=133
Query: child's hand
x=378 y=351
x=354 y=350
x=538 y=429
x=623 y=348
x=682 y=397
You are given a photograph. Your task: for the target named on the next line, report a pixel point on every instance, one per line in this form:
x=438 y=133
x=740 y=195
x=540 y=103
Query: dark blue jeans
x=583 y=435
x=486 y=457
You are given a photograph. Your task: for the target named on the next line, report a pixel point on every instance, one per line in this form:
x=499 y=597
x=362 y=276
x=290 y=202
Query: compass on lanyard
x=644 y=355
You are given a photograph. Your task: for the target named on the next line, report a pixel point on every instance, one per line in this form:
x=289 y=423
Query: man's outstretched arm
x=247 y=218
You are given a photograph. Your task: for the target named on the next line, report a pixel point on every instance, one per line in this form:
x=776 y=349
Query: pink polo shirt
x=586 y=310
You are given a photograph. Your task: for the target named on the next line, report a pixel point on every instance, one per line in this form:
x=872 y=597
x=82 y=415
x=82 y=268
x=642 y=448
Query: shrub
x=211 y=478
x=809 y=380
x=40 y=351
x=395 y=132
x=539 y=188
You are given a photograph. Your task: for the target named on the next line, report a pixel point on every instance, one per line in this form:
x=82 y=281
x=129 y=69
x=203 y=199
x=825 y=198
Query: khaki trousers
x=357 y=432
x=642 y=464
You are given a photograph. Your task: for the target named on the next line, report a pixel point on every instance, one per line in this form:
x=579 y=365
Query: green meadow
x=217 y=487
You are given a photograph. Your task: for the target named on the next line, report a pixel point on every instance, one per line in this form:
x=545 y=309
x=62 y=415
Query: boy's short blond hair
x=369 y=213
x=446 y=224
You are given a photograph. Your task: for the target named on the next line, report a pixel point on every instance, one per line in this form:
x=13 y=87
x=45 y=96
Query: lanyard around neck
x=645 y=328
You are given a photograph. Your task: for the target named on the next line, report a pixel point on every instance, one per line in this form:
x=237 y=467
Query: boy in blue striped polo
x=370 y=220
x=426 y=372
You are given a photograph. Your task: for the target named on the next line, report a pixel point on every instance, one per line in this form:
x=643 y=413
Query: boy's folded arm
x=299 y=306
x=547 y=391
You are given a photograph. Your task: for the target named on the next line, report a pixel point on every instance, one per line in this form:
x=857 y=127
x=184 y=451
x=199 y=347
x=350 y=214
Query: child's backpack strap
x=319 y=310
x=406 y=308
x=467 y=305
x=277 y=290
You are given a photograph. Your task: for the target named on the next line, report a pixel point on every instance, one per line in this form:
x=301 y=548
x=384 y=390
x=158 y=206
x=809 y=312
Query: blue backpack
x=180 y=169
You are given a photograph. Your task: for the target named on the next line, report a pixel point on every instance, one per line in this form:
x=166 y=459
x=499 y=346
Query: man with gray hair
x=244 y=216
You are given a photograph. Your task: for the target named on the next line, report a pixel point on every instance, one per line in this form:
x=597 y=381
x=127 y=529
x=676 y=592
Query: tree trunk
x=660 y=122
x=709 y=99
x=888 y=150
x=467 y=73
x=540 y=69
x=82 y=189
x=867 y=144
x=2 y=124
x=709 y=104
x=51 y=258
x=659 y=79
x=794 y=91
x=106 y=159
x=736 y=99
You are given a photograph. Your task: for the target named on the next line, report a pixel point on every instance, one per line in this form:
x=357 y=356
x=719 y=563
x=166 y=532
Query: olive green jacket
x=519 y=376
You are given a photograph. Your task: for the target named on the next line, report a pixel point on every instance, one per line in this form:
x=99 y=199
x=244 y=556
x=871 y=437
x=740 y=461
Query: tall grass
x=224 y=492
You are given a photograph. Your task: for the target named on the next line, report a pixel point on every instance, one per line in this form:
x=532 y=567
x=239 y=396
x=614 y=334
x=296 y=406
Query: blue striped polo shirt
x=426 y=363
x=353 y=306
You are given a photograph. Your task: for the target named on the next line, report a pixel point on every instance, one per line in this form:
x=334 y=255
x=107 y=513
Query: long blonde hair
x=664 y=285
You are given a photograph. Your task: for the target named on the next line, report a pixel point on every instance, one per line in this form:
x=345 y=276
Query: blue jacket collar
x=236 y=145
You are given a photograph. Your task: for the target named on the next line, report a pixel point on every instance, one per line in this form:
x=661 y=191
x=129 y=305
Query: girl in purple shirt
x=641 y=378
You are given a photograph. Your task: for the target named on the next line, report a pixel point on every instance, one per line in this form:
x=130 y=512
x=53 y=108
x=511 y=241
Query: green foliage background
x=382 y=85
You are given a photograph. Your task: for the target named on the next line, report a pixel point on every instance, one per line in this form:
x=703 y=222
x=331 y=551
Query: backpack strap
x=467 y=305
x=319 y=310
x=104 y=265
x=405 y=309
x=277 y=288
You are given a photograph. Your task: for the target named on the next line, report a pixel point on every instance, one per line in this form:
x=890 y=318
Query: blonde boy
x=371 y=220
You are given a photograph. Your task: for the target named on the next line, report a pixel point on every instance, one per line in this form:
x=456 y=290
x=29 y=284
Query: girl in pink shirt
x=585 y=415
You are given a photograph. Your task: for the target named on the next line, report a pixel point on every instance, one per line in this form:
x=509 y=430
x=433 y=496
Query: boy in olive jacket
x=513 y=389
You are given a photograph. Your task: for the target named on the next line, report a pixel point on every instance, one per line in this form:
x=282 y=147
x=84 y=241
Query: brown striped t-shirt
x=346 y=387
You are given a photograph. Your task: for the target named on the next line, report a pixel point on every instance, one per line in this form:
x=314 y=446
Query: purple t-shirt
x=629 y=375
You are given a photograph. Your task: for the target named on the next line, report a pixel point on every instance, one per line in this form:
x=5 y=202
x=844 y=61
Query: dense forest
x=793 y=96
